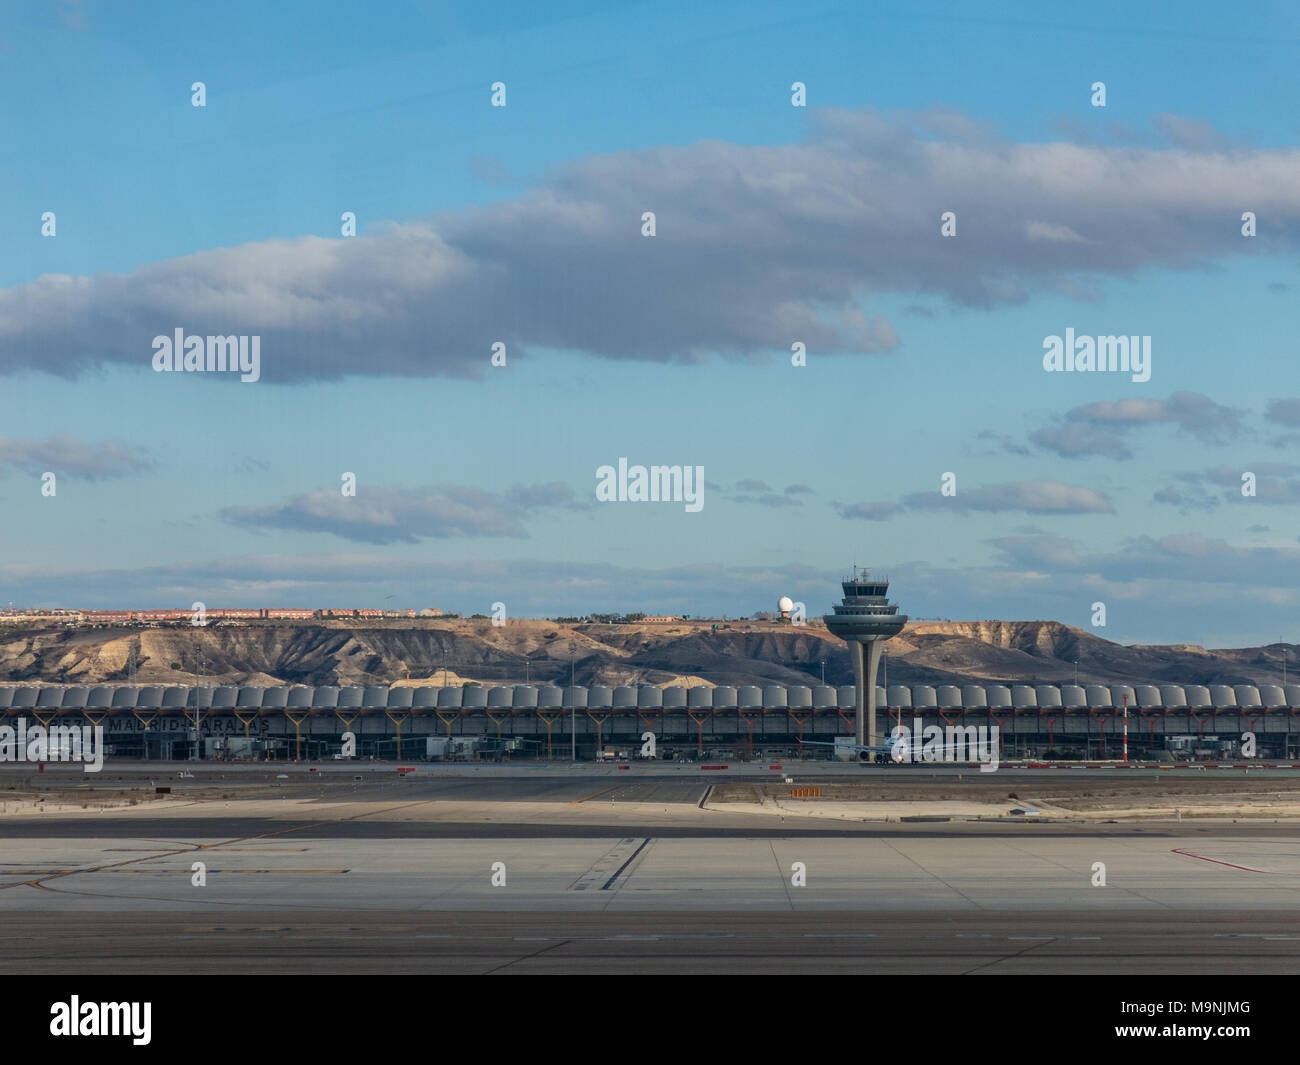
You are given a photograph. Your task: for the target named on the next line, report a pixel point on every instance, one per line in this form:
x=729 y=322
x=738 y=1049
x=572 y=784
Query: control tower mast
x=865 y=619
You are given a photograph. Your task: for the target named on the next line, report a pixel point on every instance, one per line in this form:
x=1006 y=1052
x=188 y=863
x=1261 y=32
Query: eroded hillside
x=549 y=652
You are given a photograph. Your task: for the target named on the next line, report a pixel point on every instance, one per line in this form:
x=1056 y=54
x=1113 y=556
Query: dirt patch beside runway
x=1223 y=794
x=1147 y=796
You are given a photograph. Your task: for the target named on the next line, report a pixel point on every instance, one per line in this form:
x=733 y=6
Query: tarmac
x=723 y=942
x=527 y=872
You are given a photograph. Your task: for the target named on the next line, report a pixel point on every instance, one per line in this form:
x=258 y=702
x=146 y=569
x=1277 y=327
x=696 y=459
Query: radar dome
x=785 y=604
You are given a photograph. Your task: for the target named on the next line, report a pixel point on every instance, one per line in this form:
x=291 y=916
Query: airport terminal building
x=477 y=721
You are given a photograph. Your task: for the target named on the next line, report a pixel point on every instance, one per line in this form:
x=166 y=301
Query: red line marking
x=1244 y=868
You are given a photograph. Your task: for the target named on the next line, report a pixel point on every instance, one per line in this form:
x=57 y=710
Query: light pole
x=1284 y=671
x=573 y=711
x=1076 y=672
x=1126 y=729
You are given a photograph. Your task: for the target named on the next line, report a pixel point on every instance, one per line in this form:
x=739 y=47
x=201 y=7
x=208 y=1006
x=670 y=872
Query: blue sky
x=774 y=224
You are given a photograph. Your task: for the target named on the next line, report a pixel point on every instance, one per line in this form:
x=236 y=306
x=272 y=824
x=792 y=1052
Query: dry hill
x=342 y=652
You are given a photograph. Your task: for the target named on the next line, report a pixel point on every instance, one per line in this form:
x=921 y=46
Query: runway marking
x=610 y=882
x=271 y=872
x=598 y=873
x=840 y=935
x=526 y=957
x=1243 y=868
x=36 y=883
x=785 y=884
x=932 y=875
x=1009 y=957
x=1250 y=935
x=165 y=872
x=594 y=795
x=191 y=848
x=36 y=872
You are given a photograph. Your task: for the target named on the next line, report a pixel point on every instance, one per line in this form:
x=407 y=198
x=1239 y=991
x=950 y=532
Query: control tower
x=865 y=619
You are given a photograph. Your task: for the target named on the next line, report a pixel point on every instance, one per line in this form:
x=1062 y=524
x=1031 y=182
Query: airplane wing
x=884 y=749
x=897 y=749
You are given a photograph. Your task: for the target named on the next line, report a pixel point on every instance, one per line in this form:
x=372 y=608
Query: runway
x=701 y=943
x=292 y=870
x=601 y=824
x=510 y=872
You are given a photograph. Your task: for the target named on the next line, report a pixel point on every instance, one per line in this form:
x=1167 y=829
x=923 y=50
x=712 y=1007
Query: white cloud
x=755 y=245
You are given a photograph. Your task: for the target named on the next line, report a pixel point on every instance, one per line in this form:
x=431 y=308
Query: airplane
x=897 y=751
